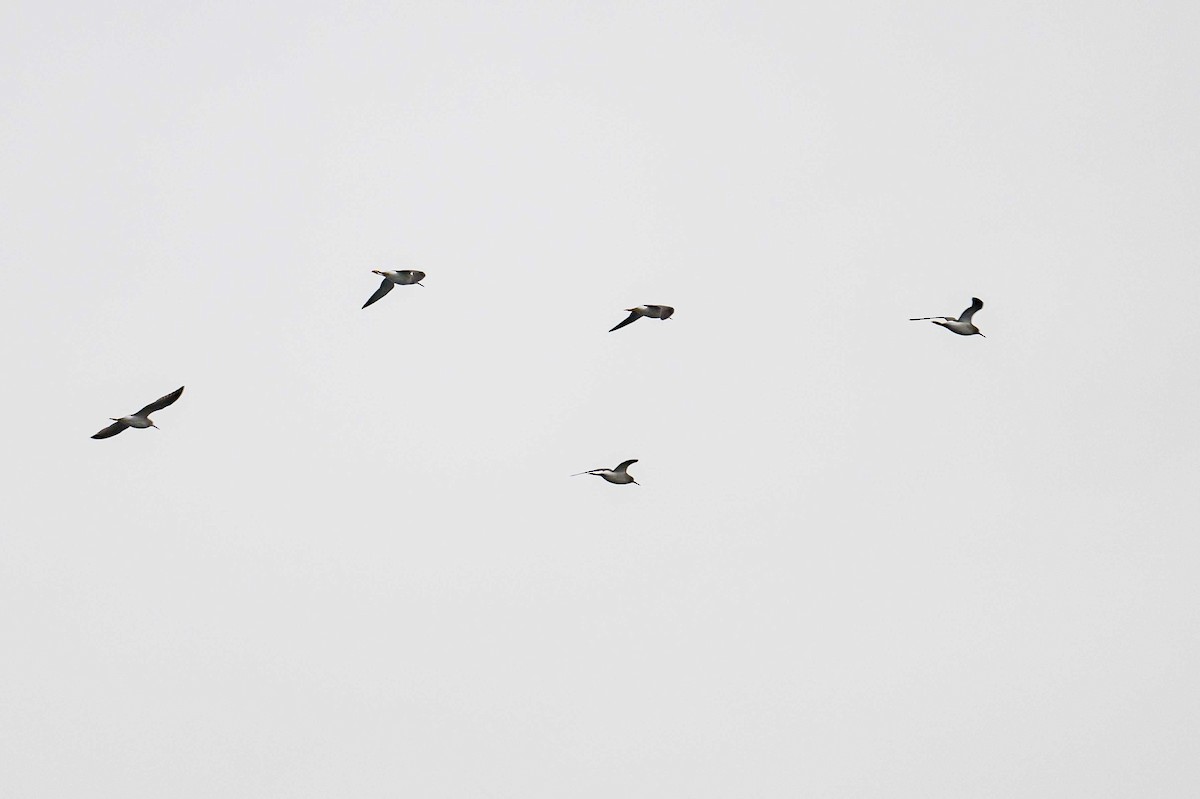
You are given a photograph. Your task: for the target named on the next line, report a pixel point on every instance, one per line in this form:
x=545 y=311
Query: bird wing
x=633 y=317
x=383 y=289
x=161 y=403
x=111 y=430
x=976 y=304
x=624 y=465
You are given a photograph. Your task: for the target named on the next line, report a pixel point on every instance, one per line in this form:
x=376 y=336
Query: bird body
x=959 y=327
x=963 y=325
x=140 y=422
x=402 y=277
x=653 y=311
x=141 y=419
x=619 y=475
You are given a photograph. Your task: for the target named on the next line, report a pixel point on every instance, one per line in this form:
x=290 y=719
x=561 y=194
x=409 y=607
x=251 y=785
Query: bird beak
x=422 y=285
x=982 y=335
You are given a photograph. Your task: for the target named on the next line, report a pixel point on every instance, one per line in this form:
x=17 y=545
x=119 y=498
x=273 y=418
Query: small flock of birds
x=962 y=325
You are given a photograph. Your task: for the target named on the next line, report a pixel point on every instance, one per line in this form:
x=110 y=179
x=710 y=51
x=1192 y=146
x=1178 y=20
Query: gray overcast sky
x=868 y=558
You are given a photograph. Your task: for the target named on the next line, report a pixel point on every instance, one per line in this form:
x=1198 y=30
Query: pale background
x=868 y=558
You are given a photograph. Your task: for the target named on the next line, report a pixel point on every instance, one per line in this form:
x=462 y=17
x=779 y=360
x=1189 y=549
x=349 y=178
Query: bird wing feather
x=161 y=402
x=111 y=430
x=633 y=317
x=380 y=292
x=976 y=304
x=625 y=465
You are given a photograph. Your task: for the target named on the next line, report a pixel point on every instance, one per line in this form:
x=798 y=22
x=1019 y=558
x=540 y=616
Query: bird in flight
x=618 y=475
x=140 y=419
x=404 y=277
x=653 y=311
x=962 y=325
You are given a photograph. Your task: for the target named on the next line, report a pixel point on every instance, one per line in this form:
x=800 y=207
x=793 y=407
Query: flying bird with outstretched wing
x=141 y=419
x=962 y=325
x=652 y=311
x=403 y=277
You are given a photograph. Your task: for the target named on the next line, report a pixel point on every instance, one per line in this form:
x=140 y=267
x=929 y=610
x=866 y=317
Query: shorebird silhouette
x=962 y=325
x=141 y=419
x=404 y=277
x=618 y=475
x=653 y=311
